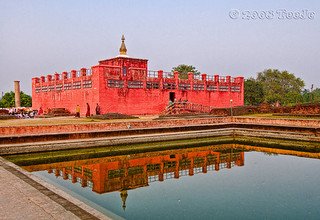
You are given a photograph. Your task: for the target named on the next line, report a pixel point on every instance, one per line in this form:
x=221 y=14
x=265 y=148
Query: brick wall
x=101 y=126
x=272 y=121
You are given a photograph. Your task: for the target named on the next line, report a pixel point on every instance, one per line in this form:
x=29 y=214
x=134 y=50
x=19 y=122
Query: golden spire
x=123 y=49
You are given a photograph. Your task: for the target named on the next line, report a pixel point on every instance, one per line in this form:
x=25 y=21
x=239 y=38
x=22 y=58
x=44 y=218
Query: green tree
x=280 y=86
x=26 y=100
x=311 y=96
x=253 y=93
x=183 y=70
x=7 y=100
x=315 y=95
x=306 y=96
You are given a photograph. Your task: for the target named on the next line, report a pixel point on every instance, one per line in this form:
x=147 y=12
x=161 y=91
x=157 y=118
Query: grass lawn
x=62 y=121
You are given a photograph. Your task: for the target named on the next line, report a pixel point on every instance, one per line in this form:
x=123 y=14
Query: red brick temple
x=125 y=85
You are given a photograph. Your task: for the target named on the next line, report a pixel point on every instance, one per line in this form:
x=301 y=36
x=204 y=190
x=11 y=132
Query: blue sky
x=43 y=37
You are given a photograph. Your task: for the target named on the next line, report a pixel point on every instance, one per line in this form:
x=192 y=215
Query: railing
x=168 y=75
x=152 y=74
x=222 y=79
x=210 y=78
x=153 y=178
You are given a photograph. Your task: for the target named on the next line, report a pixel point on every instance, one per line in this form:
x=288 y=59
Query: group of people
x=88 y=114
x=22 y=112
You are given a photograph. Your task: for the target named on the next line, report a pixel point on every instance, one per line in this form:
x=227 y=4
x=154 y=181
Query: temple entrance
x=172 y=96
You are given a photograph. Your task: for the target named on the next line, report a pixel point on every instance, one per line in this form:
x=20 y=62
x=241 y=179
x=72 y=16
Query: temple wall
x=124 y=85
x=143 y=101
x=66 y=90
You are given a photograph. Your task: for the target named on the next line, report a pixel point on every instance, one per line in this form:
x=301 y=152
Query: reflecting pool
x=221 y=182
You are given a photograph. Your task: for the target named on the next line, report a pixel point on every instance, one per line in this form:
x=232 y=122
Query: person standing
x=78 y=111
x=88 y=110
x=97 y=109
x=40 y=112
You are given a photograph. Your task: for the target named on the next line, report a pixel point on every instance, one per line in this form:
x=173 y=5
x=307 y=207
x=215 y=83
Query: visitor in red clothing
x=88 y=110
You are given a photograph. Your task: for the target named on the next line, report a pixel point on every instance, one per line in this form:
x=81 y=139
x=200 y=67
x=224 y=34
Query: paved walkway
x=22 y=197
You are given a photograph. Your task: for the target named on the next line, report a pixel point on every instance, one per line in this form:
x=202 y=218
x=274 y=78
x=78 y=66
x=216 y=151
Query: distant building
x=124 y=85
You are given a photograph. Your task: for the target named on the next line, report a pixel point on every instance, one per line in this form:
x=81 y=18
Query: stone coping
x=232 y=132
x=101 y=126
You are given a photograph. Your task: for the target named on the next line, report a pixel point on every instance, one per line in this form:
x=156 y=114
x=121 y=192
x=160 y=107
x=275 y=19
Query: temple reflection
x=126 y=172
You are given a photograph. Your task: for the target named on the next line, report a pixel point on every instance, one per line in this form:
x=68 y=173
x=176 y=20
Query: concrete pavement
x=24 y=196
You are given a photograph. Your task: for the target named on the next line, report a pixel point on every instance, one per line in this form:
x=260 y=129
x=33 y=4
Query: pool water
x=210 y=182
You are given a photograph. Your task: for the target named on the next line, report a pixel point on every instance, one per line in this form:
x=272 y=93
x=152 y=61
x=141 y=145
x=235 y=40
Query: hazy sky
x=42 y=37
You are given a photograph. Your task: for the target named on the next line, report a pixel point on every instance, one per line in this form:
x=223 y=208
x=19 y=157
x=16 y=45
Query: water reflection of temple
x=121 y=173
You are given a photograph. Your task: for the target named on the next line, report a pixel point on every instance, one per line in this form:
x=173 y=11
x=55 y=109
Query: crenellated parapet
x=75 y=79
x=114 y=77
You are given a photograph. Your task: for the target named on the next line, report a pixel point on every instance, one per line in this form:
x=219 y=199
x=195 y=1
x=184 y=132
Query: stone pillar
x=191 y=167
x=160 y=74
x=204 y=80
x=17 y=94
x=229 y=161
x=160 y=78
x=216 y=166
x=216 y=78
x=190 y=76
x=241 y=79
x=191 y=80
x=204 y=167
x=84 y=182
x=83 y=71
x=73 y=73
x=176 y=79
x=216 y=82
x=228 y=80
x=144 y=81
x=176 y=75
x=56 y=76
x=64 y=75
x=57 y=172
x=241 y=160
x=176 y=170
x=161 y=176
x=64 y=174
